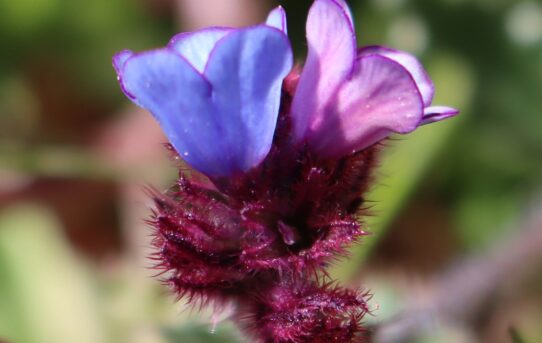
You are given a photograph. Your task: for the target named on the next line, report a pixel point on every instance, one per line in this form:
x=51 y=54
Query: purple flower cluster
x=279 y=161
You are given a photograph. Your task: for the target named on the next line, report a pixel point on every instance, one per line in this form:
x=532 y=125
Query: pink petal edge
x=330 y=61
x=433 y=114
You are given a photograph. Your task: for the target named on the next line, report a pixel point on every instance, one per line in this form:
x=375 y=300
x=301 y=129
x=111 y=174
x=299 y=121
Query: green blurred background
x=75 y=155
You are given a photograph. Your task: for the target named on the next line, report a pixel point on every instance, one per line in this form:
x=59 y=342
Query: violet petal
x=332 y=50
x=380 y=98
x=118 y=63
x=411 y=63
x=437 y=113
x=119 y=58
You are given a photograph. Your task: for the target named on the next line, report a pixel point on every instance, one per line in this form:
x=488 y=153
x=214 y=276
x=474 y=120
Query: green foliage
x=45 y=295
x=26 y=17
x=224 y=333
x=516 y=336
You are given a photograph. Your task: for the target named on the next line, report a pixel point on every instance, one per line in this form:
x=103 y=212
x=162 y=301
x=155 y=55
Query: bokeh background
x=456 y=250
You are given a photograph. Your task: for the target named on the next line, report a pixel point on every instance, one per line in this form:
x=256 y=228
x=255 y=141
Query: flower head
x=284 y=160
x=349 y=98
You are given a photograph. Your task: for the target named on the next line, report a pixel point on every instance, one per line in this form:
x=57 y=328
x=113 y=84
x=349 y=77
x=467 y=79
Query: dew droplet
x=288 y=233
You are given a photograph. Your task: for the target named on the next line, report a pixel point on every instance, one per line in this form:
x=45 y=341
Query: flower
x=215 y=92
x=285 y=160
x=348 y=99
x=223 y=83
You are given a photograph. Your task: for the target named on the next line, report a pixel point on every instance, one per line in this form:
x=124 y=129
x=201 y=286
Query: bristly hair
x=262 y=238
x=302 y=311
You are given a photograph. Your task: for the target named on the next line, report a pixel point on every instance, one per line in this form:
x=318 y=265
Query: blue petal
x=118 y=63
x=120 y=58
x=246 y=69
x=196 y=46
x=277 y=19
x=180 y=99
x=220 y=122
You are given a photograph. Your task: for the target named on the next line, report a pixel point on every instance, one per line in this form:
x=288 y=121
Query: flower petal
x=196 y=46
x=411 y=63
x=437 y=113
x=380 y=98
x=277 y=19
x=119 y=59
x=246 y=70
x=332 y=50
x=346 y=10
x=179 y=98
x=118 y=63
x=221 y=122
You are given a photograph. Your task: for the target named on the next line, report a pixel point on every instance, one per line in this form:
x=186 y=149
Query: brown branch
x=459 y=294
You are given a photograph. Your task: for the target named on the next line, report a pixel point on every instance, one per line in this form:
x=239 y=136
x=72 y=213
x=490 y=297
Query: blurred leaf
x=445 y=333
x=404 y=164
x=102 y=29
x=26 y=16
x=224 y=333
x=51 y=161
x=18 y=107
x=515 y=336
x=482 y=213
x=384 y=304
x=45 y=295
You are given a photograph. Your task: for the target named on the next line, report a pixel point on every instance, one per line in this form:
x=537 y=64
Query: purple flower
x=348 y=98
x=286 y=160
x=215 y=92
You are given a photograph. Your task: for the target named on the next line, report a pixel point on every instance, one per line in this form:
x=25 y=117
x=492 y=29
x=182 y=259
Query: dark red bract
x=262 y=238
